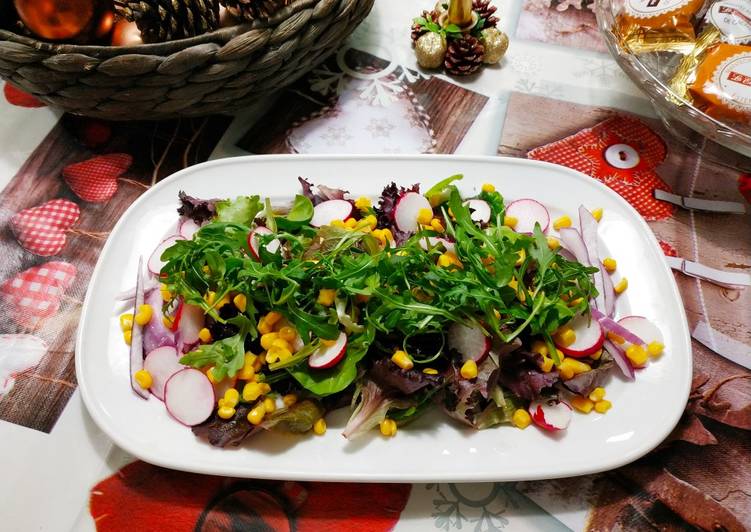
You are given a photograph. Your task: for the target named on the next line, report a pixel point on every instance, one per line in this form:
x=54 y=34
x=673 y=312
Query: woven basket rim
x=220 y=35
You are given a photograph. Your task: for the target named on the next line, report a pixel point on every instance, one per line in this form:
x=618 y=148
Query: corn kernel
x=488 y=187
x=615 y=338
x=164 y=291
x=279 y=343
x=252 y=391
x=265 y=388
x=287 y=333
x=469 y=369
x=388 y=427
x=210 y=298
x=565 y=371
x=337 y=223
x=269 y=405
x=510 y=221
x=279 y=354
x=327 y=343
x=289 y=399
x=424 y=216
x=273 y=317
x=206 y=269
x=126 y=322
x=388 y=234
x=264 y=327
x=231 y=397
x=220 y=402
x=521 y=418
x=547 y=364
x=240 y=302
x=553 y=243
x=326 y=296
x=566 y=336
x=247 y=372
x=655 y=349
x=449 y=259
x=610 y=264
x=319 y=427
x=603 y=406
x=128 y=336
x=363 y=203
x=538 y=346
x=350 y=223
x=597 y=214
x=259 y=362
x=570 y=367
x=621 y=286
x=598 y=394
x=225 y=412
x=563 y=221
x=575 y=302
x=371 y=221
x=582 y=404
x=204 y=335
x=256 y=415
x=596 y=355
x=143 y=378
x=267 y=340
x=437 y=226
x=402 y=359
x=210 y=375
x=637 y=355
x=144 y=314
x=430 y=371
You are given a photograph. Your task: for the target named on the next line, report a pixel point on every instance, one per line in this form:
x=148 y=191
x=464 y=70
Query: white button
x=622 y=156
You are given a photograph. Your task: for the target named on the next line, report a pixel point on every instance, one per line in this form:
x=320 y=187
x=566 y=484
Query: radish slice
x=550 y=414
x=187 y=228
x=643 y=328
x=434 y=241
x=329 y=356
x=612 y=326
x=327 y=211
x=528 y=212
x=189 y=397
x=623 y=363
x=190 y=324
x=408 y=209
x=155 y=261
x=589 y=337
x=161 y=363
x=253 y=242
x=136 y=339
x=470 y=342
x=479 y=210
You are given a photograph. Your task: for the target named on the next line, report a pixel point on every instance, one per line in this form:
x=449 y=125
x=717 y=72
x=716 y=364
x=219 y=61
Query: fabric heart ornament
x=95 y=180
x=18 y=352
x=623 y=153
x=34 y=294
x=41 y=229
x=16 y=96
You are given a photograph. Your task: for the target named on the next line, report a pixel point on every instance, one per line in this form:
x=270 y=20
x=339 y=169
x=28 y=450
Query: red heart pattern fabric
x=95 y=180
x=16 y=96
x=35 y=294
x=42 y=229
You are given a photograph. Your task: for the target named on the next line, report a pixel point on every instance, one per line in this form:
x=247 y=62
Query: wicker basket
x=216 y=72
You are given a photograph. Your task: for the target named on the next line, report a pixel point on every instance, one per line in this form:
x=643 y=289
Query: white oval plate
x=434 y=448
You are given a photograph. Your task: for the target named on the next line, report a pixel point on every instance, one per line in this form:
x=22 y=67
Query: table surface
x=556 y=96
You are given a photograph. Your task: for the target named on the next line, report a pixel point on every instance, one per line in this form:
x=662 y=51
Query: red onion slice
x=136 y=339
x=623 y=363
x=613 y=326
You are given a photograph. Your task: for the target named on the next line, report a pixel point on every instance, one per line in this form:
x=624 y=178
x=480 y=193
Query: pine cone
x=166 y=20
x=254 y=9
x=464 y=56
x=417 y=30
x=486 y=11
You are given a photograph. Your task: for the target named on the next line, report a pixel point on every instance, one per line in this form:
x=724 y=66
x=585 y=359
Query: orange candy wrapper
x=659 y=25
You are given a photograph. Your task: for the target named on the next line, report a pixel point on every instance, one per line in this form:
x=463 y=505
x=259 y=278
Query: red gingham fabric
x=584 y=151
x=35 y=293
x=41 y=229
x=95 y=180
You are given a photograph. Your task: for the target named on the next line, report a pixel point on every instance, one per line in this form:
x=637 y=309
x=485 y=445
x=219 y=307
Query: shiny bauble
x=430 y=50
x=495 y=43
x=66 y=20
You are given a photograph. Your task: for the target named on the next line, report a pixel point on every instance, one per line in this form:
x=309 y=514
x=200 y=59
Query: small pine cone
x=253 y=9
x=417 y=30
x=486 y=11
x=166 y=20
x=464 y=56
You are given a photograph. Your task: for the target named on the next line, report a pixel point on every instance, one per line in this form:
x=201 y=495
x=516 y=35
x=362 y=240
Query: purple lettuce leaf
x=224 y=432
x=199 y=210
x=522 y=376
x=322 y=192
x=371 y=409
x=386 y=206
x=465 y=399
x=584 y=383
x=395 y=381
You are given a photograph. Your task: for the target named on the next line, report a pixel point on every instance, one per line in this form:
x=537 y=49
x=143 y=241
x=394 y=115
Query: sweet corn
x=371 y=221
x=388 y=234
x=510 y=221
x=164 y=291
x=610 y=264
x=424 y=216
x=596 y=355
x=240 y=302
x=430 y=371
x=337 y=223
x=279 y=354
x=637 y=355
x=553 y=243
x=469 y=369
x=621 y=286
x=126 y=322
x=522 y=255
x=206 y=269
x=570 y=367
x=327 y=343
x=538 y=346
x=388 y=427
x=402 y=359
x=220 y=402
x=210 y=375
x=289 y=399
x=128 y=336
x=326 y=296
x=582 y=404
x=143 y=378
x=259 y=362
x=256 y=415
x=363 y=203
x=268 y=339
x=563 y=221
x=521 y=418
x=265 y=388
x=598 y=394
x=603 y=406
x=210 y=297
x=231 y=397
x=287 y=333
x=655 y=349
x=449 y=259
x=575 y=302
x=350 y=223
x=547 y=364
x=319 y=427
x=566 y=336
x=204 y=335
x=144 y=314
x=247 y=372
x=252 y=391
x=269 y=405
x=615 y=338
x=273 y=317
x=488 y=187
x=225 y=412
x=437 y=226
x=597 y=214
x=264 y=327
x=280 y=343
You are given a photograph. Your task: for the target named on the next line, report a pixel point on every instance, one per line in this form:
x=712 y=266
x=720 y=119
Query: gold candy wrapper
x=658 y=25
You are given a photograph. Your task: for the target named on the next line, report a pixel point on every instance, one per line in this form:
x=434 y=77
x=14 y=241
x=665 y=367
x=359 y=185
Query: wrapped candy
x=659 y=25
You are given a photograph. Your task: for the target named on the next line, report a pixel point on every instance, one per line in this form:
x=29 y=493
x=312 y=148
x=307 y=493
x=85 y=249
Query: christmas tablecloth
x=556 y=96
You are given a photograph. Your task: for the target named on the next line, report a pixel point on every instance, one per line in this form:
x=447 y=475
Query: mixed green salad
x=255 y=316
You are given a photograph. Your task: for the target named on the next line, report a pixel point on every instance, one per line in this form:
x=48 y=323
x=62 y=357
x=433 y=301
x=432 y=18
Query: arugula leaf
x=241 y=210
x=227 y=356
x=438 y=193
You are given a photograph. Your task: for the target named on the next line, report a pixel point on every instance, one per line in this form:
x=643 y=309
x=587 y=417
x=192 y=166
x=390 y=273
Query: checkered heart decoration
x=18 y=352
x=95 y=180
x=42 y=229
x=34 y=294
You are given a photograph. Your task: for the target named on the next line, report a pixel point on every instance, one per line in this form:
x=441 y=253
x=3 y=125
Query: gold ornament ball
x=496 y=44
x=430 y=50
